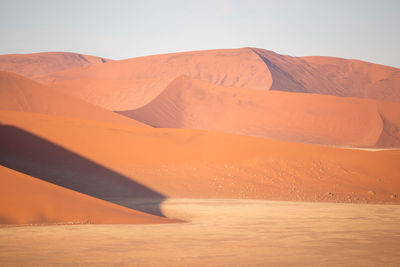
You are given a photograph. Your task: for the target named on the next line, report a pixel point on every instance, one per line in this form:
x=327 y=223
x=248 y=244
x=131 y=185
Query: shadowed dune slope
x=31 y=65
x=30 y=154
x=332 y=76
x=390 y=114
x=21 y=94
x=132 y=83
x=27 y=200
x=308 y=118
x=200 y=164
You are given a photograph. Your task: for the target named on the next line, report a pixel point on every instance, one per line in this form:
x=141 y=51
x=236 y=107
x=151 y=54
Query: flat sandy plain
x=220 y=232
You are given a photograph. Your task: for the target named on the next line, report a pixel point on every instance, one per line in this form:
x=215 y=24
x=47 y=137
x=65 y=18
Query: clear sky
x=361 y=29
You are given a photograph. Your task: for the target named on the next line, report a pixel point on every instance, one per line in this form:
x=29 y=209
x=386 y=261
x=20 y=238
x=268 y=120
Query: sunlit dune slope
x=131 y=83
x=309 y=118
x=21 y=94
x=193 y=163
x=27 y=200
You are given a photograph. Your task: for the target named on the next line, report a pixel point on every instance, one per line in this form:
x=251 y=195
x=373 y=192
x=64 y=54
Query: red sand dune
x=31 y=65
x=102 y=155
x=132 y=83
x=129 y=84
x=198 y=164
x=332 y=76
x=21 y=94
x=27 y=200
x=307 y=118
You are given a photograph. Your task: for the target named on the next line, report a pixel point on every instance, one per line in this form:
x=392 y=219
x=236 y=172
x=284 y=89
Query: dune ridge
x=332 y=76
x=36 y=64
x=296 y=117
x=133 y=83
x=22 y=94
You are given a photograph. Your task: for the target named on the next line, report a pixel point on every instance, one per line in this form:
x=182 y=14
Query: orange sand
x=192 y=163
x=27 y=200
x=65 y=160
x=137 y=81
x=21 y=94
x=132 y=83
x=332 y=76
x=309 y=118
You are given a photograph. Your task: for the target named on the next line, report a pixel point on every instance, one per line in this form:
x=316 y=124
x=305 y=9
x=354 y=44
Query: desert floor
x=220 y=232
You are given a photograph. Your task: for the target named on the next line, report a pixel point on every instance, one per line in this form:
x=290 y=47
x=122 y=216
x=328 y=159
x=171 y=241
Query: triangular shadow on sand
x=42 y=159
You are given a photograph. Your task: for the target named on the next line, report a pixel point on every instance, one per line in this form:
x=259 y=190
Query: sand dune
x=74 y=161
x=31 y=65
x=131 y=83
x=21 y=94
x=192 y=163
x=332 y=76
x=308 y=118
x=27 y=200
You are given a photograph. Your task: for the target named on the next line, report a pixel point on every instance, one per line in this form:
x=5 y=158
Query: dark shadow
x=42 y=159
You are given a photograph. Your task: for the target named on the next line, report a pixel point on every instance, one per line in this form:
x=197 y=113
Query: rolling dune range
x=243 y=68
x=235 y=123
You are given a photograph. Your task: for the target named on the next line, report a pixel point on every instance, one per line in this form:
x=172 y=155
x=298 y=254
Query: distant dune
x=31 y=65
x=132 y=83
x=27 y=200
x=21 y=94
x=307 y=118
x=202 y=164
x=332 y=76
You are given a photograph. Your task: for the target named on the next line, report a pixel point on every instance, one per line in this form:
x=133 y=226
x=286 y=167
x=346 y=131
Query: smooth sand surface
x=296 y=117
x=220 y=233
x=18 y=93
x=36 y=64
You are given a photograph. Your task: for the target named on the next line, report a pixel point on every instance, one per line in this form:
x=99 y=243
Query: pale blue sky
x=361 y=29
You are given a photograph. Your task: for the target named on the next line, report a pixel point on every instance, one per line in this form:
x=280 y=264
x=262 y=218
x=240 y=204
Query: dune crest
x=332 y=76
x=32 y=65
x=132 y=83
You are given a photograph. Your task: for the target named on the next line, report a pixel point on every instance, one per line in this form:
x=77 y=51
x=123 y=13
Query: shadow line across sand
x=30 y=154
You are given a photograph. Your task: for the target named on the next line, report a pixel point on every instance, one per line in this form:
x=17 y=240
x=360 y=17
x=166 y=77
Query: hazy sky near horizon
x=362 y=29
